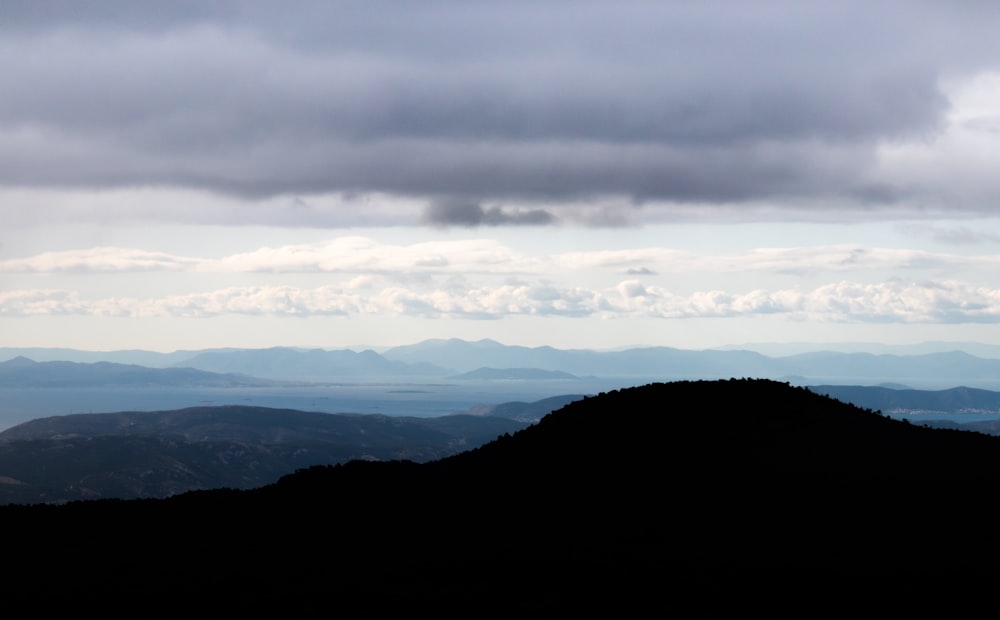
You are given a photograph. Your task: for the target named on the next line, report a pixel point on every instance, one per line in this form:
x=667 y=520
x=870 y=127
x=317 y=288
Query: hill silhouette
x=667 y=498
x=134 y=454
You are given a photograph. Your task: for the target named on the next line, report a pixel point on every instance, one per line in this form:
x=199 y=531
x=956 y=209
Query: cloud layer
x=484 y=112
x=885 y=302
x=364 y=255
x=486 y=279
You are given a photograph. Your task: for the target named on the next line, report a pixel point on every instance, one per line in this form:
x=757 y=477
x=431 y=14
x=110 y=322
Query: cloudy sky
x=179 y=175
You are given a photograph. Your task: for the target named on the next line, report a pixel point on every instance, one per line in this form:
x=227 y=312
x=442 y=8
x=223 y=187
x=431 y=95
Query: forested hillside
x=634 y=501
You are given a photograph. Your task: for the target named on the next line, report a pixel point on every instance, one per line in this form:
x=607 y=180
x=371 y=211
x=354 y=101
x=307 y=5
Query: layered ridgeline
x=490 y=360
x=659 y=499
x=162 y=453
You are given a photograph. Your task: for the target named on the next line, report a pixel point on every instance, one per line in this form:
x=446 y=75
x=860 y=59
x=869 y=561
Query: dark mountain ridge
x=162 y=453
x=953 y=400
x=681 y=496
x=244 y=423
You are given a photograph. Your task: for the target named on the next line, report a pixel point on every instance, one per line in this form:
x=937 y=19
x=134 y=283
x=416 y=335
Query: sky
x=185 y=175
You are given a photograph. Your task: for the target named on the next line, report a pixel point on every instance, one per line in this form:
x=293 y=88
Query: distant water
x=19 y=405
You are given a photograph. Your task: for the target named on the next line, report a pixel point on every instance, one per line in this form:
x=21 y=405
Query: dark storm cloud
x=453 y=213
x=676 y=101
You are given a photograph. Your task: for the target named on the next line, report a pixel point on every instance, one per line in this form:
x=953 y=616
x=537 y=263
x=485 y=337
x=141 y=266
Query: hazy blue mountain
x=138 y=357
x=464 y=356
x=435 y=360
x=950 y=401
x=662 y=362
x=23 y=372
x=474 y=350
x=938 y=370
x=944 y=369
x=308 y=365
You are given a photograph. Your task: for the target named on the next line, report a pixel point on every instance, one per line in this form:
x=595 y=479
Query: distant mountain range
x=943 y=369
x=310 y=365
x=23 y=372
x=443 y=359
x=702 y=497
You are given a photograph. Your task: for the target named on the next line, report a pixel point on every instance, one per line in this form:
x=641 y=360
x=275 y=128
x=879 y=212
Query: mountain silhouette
x=133 y=454
x=682 y=498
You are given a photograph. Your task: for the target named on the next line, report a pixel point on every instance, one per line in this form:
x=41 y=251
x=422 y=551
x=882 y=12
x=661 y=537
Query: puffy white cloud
x=41 y=302
x=366 y=256
x=890 y=301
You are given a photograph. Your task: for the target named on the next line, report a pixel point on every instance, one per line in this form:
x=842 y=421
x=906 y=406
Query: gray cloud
x=452 y=213
x=477 y=102
x=961 y=235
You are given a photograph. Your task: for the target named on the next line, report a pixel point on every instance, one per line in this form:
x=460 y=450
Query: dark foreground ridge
x=156 y=454
x=685 y=498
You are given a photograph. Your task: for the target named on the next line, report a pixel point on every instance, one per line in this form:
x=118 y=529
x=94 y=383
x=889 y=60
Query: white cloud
x=891 y=301
x=101 y=259
x=365 y=256
x=42 y=302
x=951 y=169
x=361 y=254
